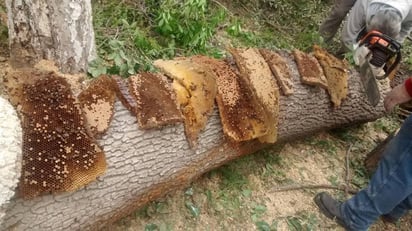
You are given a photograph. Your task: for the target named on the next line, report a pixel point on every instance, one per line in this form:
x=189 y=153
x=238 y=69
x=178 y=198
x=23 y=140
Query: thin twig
x=224 y=7
x=347 y=170
x=313 y=186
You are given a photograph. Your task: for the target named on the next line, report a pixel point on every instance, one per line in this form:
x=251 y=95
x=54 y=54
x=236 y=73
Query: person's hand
x=360 y=54
x=396 y=96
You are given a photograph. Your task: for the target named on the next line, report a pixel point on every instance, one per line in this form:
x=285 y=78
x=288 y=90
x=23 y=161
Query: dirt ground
x=319 y=160
x=212 y=203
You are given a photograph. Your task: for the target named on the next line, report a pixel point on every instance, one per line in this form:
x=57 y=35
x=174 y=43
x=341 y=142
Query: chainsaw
x=382 y=54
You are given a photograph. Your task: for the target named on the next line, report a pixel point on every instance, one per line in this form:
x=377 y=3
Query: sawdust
x=77 y=82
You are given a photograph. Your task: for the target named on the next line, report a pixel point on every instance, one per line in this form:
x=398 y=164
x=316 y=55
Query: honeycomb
x=280 y=70
x=196 y=87
x=156 y=100
x=243 y=117
x=310 y=71
x=254 y=69
x=58 y=154
x=97 y=102
x=336 y=74
x=122 y=91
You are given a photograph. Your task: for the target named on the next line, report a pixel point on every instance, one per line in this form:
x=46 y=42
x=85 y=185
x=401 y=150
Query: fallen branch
x=347 y=170
x=313 y=186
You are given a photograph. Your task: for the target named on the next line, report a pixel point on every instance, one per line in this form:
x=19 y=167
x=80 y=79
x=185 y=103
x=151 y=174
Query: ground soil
x=302 y=163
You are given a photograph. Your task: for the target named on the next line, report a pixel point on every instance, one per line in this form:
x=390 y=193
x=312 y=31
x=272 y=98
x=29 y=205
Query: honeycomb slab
x=242 y=115
x=58 y=153
x=156 y=100
x=257 y=74
x=280 y=70
x=310 y=71
x=97 y=102
x=196 y=91
x=121 y=88
x=336 y=72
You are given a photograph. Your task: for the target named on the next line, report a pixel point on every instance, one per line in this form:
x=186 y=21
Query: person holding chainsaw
x=331 y=24
x=389 y=193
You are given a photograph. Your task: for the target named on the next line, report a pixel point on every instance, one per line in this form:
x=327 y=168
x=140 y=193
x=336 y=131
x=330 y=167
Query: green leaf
x=151 y=227
x=195 y=211
x=294 y=224
x=246 y=192
x=97 y=68
x=124 y=22
x=262 y=226
x=118 y=61
x=189 y=191
x=97 y=71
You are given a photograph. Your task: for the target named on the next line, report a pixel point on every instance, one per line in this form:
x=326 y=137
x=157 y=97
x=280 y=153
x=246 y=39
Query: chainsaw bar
x=369 y=84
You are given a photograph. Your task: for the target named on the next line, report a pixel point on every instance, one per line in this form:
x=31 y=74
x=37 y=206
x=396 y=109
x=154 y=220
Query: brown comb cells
x=58 y=154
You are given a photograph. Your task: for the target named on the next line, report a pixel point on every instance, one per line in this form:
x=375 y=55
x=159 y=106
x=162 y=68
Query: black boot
x=330 y=208
x=389 y=219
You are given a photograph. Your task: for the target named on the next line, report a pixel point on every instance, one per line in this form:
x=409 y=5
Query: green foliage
x=387 y=124
x=130 y=37
x=232 y=177
x=151 y=227
x=188 y=24
x=326 y=145
x=302 y=222
x=190 y=204
x=258 y=211
x=360 y=174
x=345 y=134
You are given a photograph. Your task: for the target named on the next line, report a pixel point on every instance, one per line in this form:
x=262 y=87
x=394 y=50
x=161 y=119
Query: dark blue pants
x=390 y=188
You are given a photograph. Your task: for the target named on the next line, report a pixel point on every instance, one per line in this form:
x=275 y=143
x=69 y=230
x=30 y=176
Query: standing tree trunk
x=61 y=31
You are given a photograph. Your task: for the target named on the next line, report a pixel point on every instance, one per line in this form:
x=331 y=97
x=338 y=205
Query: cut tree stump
x=144 y=165
x=372 y=158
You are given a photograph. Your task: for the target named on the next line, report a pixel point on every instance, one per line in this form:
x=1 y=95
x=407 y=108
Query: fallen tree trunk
x=144 y=165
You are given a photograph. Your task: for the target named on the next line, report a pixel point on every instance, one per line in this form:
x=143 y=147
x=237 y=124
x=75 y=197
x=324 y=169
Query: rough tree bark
x=146 y=165
x=61 y=31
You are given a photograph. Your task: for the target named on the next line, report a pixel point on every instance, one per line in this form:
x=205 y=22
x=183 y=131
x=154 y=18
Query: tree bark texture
x=144 y=165
x=61 y=31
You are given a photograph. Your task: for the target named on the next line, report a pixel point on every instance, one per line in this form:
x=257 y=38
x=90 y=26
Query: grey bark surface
x=61 y=31
x=144 y=165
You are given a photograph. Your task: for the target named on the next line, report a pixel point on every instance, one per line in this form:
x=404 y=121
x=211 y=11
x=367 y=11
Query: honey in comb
x=310 y=71
x=156 y=100
x=336 y=74
x=97 y=102
x=280 y=70
x=122 y=92
x=58 y=154
x=243 y=117
x=195 y=82
x=256 y=72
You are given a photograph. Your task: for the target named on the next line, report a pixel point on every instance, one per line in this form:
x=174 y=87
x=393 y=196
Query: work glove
x=363 y=54
x=360 y=54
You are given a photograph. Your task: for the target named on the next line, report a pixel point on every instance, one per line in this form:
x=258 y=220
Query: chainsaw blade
x=369 y=84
